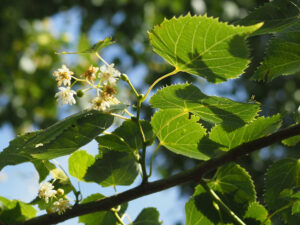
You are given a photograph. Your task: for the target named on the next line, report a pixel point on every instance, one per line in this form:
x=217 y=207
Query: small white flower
x=108 y=74
x=61 y=205
x=46 y=191
x=100 y=103
x=63 y=76
x=65 y=95
x=90 y=74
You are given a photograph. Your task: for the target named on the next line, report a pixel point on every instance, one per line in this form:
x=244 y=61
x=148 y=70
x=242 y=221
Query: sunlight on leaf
x=203 y=46
x=216 y=110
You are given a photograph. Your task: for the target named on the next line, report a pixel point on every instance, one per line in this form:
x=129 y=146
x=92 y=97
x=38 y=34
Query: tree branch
x=156 y=186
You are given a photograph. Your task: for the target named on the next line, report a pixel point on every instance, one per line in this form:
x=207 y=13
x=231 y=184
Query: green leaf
x=296 y=195
x=292 y=141
x=113 y=168
x=41 y=169
x=189 y=98
x=203 y=46
x=276 y=16
x=282 y=56
x=95 y=48
x=256 y=129
x=234 y=187
x=126 y=138
x=15 y=210
x=296 y=207
x=148 y=216
x=13 y=154
x=199 y=210
x=79 y=162
x=256 y=212
x=283 y=174
x=179 y=133
x=60 y=139
x=100 y=218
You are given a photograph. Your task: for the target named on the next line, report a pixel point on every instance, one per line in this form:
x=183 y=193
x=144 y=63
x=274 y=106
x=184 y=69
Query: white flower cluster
x=105 y=87
x=109 y=75
x=64 y=76
x=46 y=191
x=61 y=205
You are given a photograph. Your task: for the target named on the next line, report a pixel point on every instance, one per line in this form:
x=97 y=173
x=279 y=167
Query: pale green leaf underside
x=257 y=212
x=60 y=139
x=189 y=98
x=284 y=174
x=276 y=16
x=79 y=162
x=179 y=133
x=113 y=168
x=282 y=56
x=255 y=129
x=126 y=138
x=203 y=46
x=148 y=216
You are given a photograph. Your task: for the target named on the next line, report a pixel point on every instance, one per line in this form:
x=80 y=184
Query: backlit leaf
x=291 y=141
x=179 y=133
x=256 y=129
x=234 y=187
x=296 y=207
x=14 y=211
x=203 y=46
x=79 y=162
x=256 y=212
x=189 y=98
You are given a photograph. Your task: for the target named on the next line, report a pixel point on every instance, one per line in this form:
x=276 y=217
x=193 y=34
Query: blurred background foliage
x=29 y=40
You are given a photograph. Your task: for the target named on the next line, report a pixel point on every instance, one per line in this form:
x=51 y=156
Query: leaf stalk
x=219 y=202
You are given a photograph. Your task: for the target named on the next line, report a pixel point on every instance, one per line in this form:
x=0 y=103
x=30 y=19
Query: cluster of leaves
x=187 y=122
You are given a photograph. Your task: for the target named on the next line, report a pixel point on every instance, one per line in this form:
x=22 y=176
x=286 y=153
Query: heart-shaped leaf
x=203 y=46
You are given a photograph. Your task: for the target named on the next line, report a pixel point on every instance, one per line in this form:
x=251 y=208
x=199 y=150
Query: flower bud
x=60 y=191
x=124 y=77
x=79 y=93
